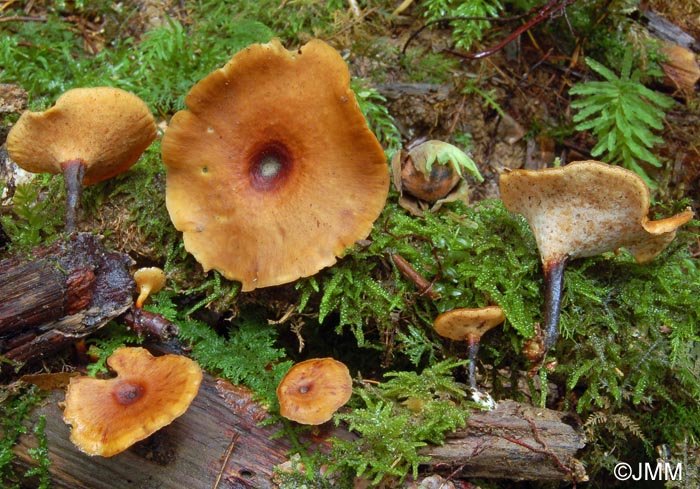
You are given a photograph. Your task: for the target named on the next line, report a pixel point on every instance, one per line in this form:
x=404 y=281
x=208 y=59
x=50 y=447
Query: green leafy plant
x=397 y=418
x=15 y=406
x=623 y=114
x=34 y=216
x=40 y=454
x=247 y=355
x=460 y=15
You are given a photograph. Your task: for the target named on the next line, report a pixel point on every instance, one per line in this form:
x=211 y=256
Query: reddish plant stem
x=424 y=286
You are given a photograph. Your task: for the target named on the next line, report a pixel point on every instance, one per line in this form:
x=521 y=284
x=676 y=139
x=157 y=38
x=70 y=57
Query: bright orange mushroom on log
x=109 y=415
x=272 y=171
x=89 y=135
x=584 y=209
x=313 y=390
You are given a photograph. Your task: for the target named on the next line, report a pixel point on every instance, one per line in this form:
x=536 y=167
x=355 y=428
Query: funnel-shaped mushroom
x=89 y=135
x=464 y=324
x=108 y=416
x=272 y=172
x=313 y=390
x=149 y=280
x=584 y=209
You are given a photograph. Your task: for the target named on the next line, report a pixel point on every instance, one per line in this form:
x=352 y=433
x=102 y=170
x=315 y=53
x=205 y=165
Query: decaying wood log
x=62 y=293
x=219 y=443
x=516 y=441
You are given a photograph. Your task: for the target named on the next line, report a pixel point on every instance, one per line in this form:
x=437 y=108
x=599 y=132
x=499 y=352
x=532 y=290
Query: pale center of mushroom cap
x=270 y=165
x=128 y=393
x=304 y=388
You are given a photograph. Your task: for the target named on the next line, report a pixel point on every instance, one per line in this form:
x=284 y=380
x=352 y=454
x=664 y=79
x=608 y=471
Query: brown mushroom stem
x=554 y=284
x=473 y=345
x=73 y=174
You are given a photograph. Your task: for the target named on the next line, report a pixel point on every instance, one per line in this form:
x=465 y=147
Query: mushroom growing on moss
x=108 y=416
x=272 y=171
x=465 y=324
x=313 y=390
x=584 y=209
x=89 y=135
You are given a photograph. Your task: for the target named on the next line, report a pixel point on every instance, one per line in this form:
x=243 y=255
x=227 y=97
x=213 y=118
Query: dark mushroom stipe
x=73 y=174
x=554 y=284
x=473 y=354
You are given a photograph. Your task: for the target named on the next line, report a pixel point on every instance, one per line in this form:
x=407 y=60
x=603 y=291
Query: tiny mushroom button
x=109 y=415
x=89 y=135
x=584 y=209
x=272 y=171
x=313 y=390
x=149 y=280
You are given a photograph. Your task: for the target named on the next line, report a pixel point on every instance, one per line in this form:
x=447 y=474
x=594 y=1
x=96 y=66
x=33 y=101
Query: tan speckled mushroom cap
x=586 y=208
x=463 y=324
x=273 y=172
x=313 y=390
x=107 y=128
x=108 y=416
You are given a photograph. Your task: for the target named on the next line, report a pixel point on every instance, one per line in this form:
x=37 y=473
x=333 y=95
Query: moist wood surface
x=219 y=442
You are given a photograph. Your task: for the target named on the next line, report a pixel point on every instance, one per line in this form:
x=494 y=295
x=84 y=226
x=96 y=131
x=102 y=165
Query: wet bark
x=58 y=294
x=220 y=443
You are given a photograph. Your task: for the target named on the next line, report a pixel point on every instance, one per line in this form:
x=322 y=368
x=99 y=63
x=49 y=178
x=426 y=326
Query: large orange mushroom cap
x=272 y=172
x=105 y=128
x=108 y=416
x=313 y=390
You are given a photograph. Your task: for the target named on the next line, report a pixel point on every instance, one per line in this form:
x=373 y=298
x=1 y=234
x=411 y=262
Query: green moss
x=398 y=417
x=16 y=403
x=37 y=214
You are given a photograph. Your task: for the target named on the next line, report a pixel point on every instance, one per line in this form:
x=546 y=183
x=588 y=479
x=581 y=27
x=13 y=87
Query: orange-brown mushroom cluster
x=272 y=171
x=109 y=415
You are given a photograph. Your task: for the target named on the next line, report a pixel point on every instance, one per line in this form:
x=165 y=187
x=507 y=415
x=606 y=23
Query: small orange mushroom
x=313 y=390
x=469 y=324
x=584 y=209
x=89 y=135
x=108 y=416
x=272 y=172
x=149 y=280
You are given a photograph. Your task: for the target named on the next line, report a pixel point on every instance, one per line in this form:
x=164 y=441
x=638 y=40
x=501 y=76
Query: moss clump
x=16 y=403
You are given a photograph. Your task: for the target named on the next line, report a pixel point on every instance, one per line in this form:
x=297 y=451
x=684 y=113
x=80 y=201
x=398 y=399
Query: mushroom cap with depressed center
x=313 y=390
x=108 y=416
x=468 y=324
x=106 y=128
x=272 y=171
x=587 y=208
